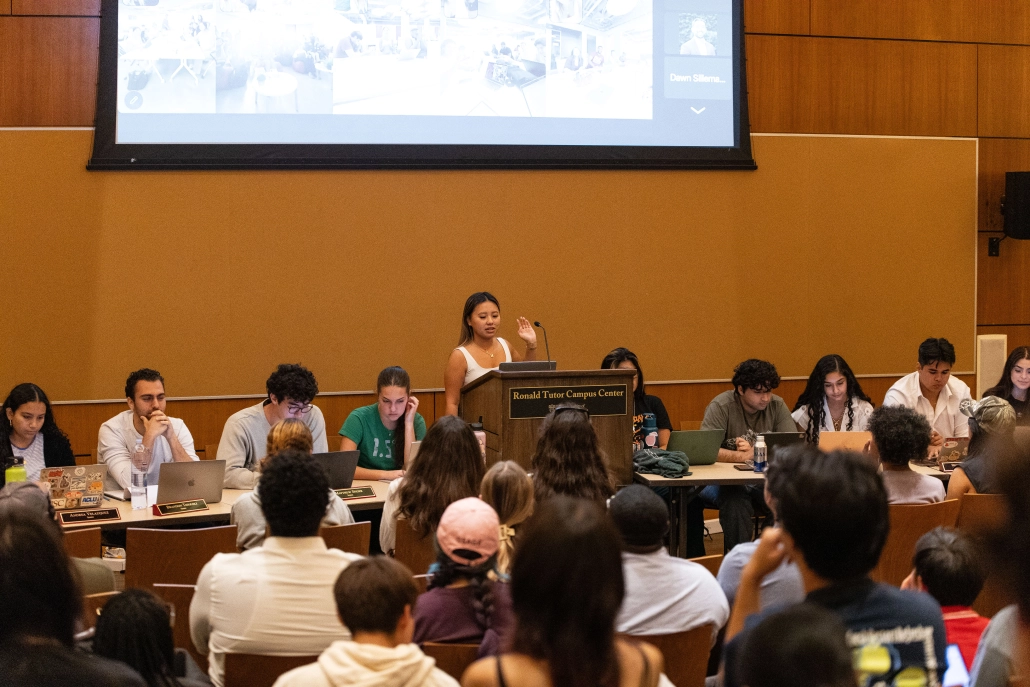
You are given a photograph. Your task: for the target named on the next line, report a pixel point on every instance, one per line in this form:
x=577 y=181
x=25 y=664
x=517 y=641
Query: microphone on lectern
x=546 y=346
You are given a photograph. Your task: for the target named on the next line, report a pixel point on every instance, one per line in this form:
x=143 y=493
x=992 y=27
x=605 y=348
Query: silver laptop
x=340 y=466
x=196 y=479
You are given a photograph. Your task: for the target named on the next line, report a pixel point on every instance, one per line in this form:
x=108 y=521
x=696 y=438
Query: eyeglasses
x=299 y=408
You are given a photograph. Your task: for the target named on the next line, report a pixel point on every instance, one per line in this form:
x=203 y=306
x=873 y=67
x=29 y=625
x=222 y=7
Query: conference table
x=683 y=490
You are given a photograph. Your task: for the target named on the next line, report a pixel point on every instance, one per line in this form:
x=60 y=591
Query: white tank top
x=474 y=370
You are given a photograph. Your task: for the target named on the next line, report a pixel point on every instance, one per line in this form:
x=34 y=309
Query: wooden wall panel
x=5 y=6
x=1002 y=281
x=927 y=20
x=1004 y=91
x=64 y=8
x=777 y=16
x=844 y=86
x=997 y=156
x=48 y=71
x=1019 y=335
x=1004 y=21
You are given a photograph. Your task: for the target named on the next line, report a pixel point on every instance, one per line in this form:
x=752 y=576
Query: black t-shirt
x=1022 y=408
x=36 y=665
x=653 y=405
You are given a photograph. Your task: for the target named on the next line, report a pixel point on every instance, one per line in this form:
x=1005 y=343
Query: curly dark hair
x=135 y=628
x=568 y=460
x=950 y=565
x=448 y=572
x=901 y=434
x=142 y=375
x=621 y=355
x=936 y=351
x=755 y=374
x=294 y=491
x=449 y=468
x=294 y=382
x=52 y=434
x=814 y=394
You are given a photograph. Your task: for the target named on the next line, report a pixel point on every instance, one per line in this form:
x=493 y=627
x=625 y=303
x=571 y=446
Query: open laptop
x=78 y=486
x=844 y=441
x=775 y=441
x=195 y=479
x=529 y=366
x=700 y=445
x=340 y=466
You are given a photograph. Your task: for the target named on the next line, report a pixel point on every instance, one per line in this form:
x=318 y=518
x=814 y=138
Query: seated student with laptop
x=643 y=403
x=28 y=431
x=143 y=435
x=833 y=401
x=291 y=388
x=743 y=413
x=933 y=393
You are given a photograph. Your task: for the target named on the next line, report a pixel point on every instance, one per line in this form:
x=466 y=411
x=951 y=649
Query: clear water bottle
x=761 y=459
x=16 y=471
x=138 y=479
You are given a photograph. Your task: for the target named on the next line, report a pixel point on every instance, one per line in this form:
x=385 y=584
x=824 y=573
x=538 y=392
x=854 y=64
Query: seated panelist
x=625 y=359
x=479 y=348
x=143 y=435
x=28 y=431
x=833 y=401
x=291 y=388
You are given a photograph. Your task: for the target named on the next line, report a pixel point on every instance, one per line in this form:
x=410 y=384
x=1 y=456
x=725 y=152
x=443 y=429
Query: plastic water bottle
x=138 y=483
x=16 y=472
x=761 y=461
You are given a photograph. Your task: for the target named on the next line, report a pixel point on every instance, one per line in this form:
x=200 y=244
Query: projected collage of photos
x=510 y=58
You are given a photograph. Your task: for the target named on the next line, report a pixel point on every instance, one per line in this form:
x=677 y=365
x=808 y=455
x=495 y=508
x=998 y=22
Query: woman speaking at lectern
x=479 y=348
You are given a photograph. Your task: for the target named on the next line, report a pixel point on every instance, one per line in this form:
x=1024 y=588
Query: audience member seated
x=509 y=491
x=383 y=432
x=947 y=565
x=781 y=587
x=275 y=599
x=833 y=401
x=1015 y=384
x=291 y=388
x=41 y=604
x=664 y=595
x=246 y=512
x=643 y=403
x=143 y=435
x=449 y=467
x=801 y=646
x=567 y=587
x=992 y=422
x=28 y=431
x=834 y=523
x=135 y=628
x=993 y=665
x=901 y=435
x=374 y=598
x=933 y=393
x=567 y=460
x=744 y=412
x=462 y=603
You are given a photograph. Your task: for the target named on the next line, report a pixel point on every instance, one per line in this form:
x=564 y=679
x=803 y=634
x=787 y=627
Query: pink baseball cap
x=469 y=531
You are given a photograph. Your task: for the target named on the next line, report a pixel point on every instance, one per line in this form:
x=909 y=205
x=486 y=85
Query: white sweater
x=368 y=665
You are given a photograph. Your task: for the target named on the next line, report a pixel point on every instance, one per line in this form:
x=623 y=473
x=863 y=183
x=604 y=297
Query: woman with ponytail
x=509 y=491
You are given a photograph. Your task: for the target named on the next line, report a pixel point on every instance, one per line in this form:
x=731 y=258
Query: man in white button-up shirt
x=932 y=392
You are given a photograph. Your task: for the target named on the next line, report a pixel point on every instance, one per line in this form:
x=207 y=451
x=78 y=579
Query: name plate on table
x=179 y=507
x=77 y=517
x=531 y=402
x=356 y=493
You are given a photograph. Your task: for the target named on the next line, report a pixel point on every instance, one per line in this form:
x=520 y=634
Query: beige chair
x=335 y=442
x=84 y=543
x=711 y=563
x=411 y=550
x=350 y=538
x=686 y=654
x=256 y=670
x=452 y=659
x=908 y=524
x=178 y=598
x=173 y=556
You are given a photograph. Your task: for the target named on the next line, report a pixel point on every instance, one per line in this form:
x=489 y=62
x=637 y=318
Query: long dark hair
x=135 y=628
x=19 y=396
x=395 y=376
x=567 y=587
x=814 y=394
x=470 y=305
x=1003 y=389
x=621 y=355
x=448 y=571
x=568 y=460
x=449 y=468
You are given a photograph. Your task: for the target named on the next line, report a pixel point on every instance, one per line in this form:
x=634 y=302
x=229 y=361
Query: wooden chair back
x=908 y=524
x=418 y=553
x=173 y=556
x=335 y=442
x=92 y=606
x=979 y=514
x=350 y=538
x=711 y=563
x=255 y=670
x=210 y=452
x=179 y=597
x=686 y=654
x=452 y=659
x=83 y=543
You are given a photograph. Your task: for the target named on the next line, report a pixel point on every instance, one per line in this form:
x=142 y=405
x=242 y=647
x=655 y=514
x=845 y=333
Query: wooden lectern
x=513 y=404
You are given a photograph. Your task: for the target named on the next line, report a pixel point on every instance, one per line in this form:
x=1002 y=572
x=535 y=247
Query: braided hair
x=447 y=572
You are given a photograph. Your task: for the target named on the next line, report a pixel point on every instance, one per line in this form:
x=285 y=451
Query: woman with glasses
x=568 y=461
x=643 y=403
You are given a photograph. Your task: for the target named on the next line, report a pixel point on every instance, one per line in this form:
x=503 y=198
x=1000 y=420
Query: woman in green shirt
x=383 y=431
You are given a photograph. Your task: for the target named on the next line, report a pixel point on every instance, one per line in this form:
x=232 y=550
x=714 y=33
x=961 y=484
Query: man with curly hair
x=291 y=388
x=744 y=412
x=901 y=435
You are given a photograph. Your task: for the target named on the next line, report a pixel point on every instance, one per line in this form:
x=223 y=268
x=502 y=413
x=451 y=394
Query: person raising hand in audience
x=479 y=348
x=1014 y=385
x=833 y=401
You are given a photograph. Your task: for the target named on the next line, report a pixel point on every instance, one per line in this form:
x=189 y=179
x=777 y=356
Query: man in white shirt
x=932 y=392
x=663 y=594
x=143 y=434
x=276 y=599
x=291 y=388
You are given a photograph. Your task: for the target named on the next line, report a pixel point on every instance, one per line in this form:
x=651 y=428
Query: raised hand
x=526 y=332
x=410 y=410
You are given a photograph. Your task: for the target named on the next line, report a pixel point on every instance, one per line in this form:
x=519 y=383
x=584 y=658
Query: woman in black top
x=991 y=425
x=625 y=359
x=1014 y=385
x=27 y=425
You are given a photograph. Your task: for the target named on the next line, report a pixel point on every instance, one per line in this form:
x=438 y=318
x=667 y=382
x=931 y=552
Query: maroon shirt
x=449 y=615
